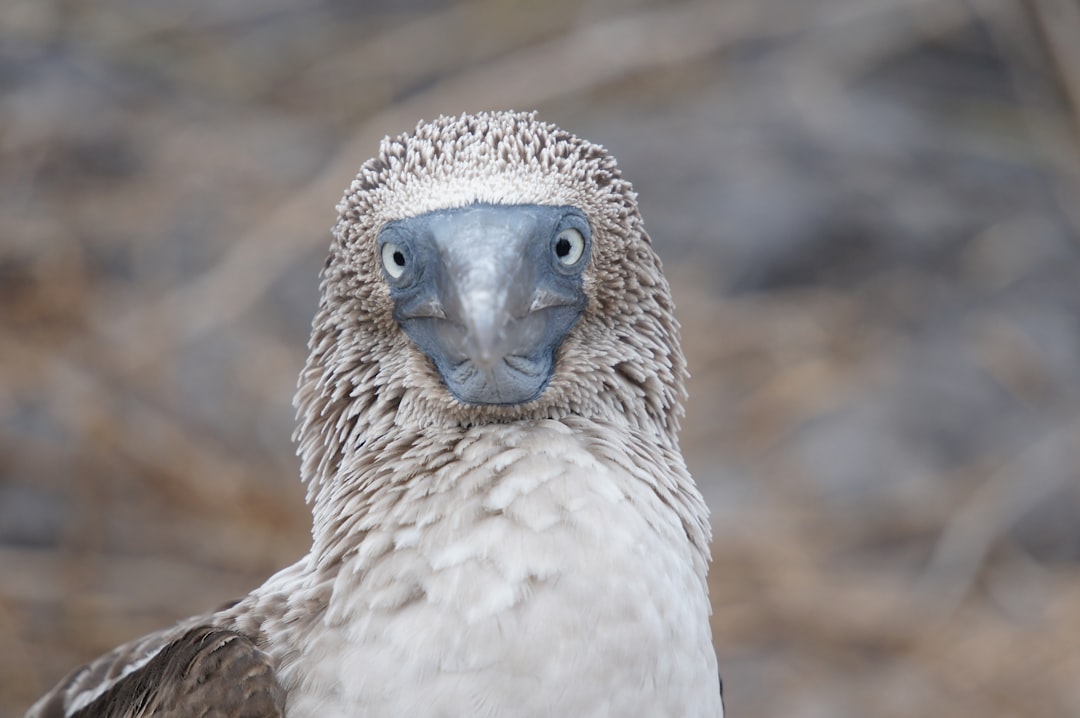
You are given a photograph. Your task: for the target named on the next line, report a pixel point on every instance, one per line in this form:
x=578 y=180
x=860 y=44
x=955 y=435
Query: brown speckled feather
x=206 y=673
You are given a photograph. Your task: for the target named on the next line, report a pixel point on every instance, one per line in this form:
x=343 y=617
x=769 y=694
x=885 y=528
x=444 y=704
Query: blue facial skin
x=488 y=292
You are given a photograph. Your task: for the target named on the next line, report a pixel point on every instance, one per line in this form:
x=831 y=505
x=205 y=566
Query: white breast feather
x=532 y=578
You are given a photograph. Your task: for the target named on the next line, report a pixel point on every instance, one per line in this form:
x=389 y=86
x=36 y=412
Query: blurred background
x=868 y=210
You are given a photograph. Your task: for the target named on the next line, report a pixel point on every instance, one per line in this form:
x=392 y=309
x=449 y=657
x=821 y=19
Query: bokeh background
x=868 y=210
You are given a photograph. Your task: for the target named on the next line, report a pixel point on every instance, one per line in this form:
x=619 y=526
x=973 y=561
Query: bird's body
x=515 y=535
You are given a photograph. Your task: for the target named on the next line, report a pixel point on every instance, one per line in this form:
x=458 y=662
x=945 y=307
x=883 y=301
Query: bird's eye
x=569 y=246
x=393 y=260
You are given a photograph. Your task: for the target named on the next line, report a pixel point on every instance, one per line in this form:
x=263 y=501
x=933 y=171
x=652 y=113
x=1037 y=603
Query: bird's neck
x=439 y=486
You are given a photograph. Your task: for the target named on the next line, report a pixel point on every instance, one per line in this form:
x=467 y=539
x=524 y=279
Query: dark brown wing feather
x=208 y=672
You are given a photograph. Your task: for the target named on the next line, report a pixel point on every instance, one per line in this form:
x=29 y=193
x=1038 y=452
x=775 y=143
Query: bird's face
x=488 y=292
x=487 y=268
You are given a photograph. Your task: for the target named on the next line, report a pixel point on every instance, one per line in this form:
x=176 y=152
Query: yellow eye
x=569 y=246
x=393 y=260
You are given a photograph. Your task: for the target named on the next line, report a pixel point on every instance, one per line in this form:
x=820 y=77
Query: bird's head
x=488 y=268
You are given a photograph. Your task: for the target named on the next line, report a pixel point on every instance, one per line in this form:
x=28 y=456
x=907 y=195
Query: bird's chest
x=527 y=581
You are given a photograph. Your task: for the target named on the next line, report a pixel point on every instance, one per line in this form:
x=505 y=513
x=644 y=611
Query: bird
x=487 y=427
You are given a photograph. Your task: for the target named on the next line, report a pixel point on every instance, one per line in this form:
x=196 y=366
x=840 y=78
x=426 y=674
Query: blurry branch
x=1005 y=497
x=792 y=593
x=206 y=477
x=121 y=585
x=1054 y=39
x=1059 y=21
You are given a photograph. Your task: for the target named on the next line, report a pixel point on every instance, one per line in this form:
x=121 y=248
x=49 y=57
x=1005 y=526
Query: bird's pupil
x=562 y=247
x=399 y=259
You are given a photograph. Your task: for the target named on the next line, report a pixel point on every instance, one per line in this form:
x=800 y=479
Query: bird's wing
x=202 y=672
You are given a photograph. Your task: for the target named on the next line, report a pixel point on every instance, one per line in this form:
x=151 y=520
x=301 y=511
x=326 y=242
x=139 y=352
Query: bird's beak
x=489 y=282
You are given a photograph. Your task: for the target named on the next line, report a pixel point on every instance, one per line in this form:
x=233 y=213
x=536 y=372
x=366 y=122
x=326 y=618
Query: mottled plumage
x=525 y=540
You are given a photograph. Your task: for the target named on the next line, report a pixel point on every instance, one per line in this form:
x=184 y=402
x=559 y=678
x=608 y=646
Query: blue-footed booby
x=487 y=425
